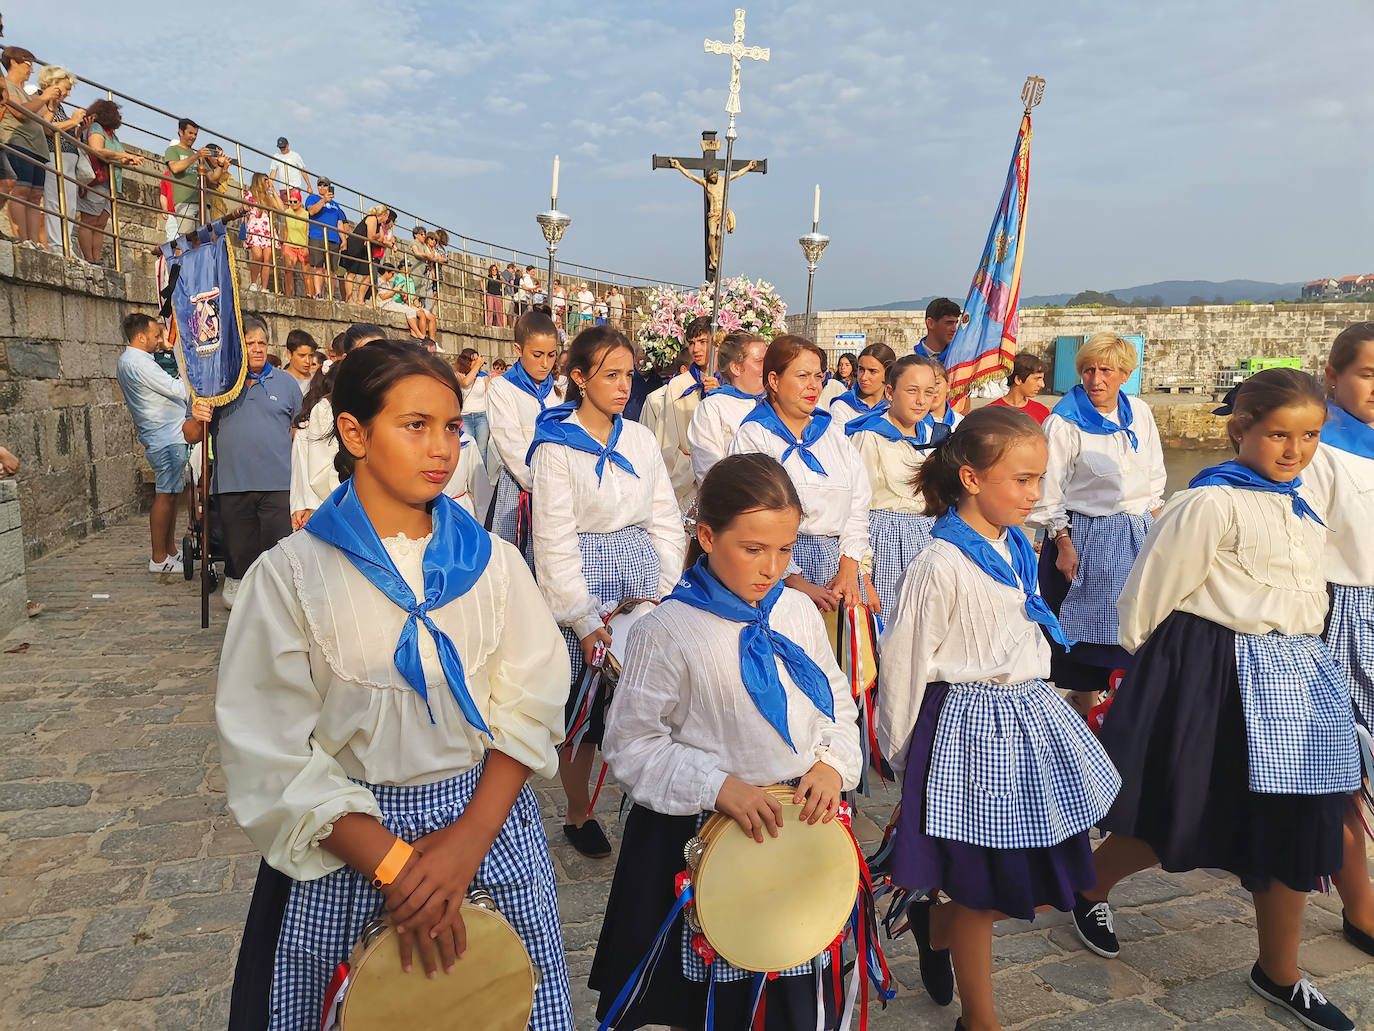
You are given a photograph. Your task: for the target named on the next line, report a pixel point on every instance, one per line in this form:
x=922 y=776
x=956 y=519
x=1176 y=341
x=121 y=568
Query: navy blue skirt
x=1176 y=733
x=1014 y=881
x=1088 y=667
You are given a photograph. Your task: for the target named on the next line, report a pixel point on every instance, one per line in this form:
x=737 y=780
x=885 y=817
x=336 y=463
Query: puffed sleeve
x=1155 y=451
x=1177 y=557
x=667 y=776
x=854 y=535
x=303 y=495
x=923 y=618
x=838 y=746
x=508 y=431
x=1063 y=437
x=706 y=439
x=284 y=789
x=320 y=449
x=669 y=537
x=528 y=671
x=557 y=557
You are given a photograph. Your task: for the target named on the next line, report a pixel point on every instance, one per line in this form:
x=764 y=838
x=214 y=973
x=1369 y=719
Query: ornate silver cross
x=736 y=50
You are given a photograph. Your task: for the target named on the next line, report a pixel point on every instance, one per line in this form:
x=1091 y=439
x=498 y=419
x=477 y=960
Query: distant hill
x=1168 y=292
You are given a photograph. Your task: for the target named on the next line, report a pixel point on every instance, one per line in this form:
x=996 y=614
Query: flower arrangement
x=745 y=304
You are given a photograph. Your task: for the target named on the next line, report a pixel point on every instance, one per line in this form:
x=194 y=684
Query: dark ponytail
x=363 y=382
x=978 y=442
x=589 y=351
x=739 y=484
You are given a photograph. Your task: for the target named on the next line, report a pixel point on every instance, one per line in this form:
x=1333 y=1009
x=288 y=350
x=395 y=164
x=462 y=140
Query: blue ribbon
x=929 y=433
x=851 y=398
x=1075 y=407
x=951 y=527
x=552 y=427
x=456 y=557
x=1347 y=433
x=766 y=417
x=697 y=386
x=760 y=647
x=539 y=391
x=946 y=420
x=1233 y=474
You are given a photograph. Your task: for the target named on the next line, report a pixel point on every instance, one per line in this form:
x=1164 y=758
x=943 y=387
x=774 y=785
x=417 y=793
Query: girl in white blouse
x=606 y=529
x=390 y=679
x=868 y=395
x=728 y=686
x=1233 y=730
x=826 y=470
x=1341 y=476
x=893 y=443
x=718 y=417
x=514 y=401
x=468 y=485
x=1104 y=487
x=1001 y=779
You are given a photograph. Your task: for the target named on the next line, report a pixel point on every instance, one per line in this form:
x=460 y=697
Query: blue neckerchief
x=249 y=378
x=1347 y=433
x=1075 y=407
x=766 y=417
x=929 y=433
x=926 y=352
x=1233 y=474
x=951 y=527
x=760 y=647
x=697 y=386
x=552 y=427
x=539 y=391
x=851 y=398
x=946 y=420
x=481 y=373
x=456 y=556
x=730 y=390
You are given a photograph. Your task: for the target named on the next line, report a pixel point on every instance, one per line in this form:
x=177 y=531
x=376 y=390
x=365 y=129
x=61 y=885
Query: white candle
x=555 y=177
x=816 y=211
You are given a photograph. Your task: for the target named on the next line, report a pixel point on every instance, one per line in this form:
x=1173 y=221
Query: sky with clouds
x=1214 y=139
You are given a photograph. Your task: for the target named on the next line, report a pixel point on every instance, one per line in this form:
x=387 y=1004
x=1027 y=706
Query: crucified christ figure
x=715 y=190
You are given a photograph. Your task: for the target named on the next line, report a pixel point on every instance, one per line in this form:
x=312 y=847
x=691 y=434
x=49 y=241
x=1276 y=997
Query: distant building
x=1319 y=288
x=1346 y=286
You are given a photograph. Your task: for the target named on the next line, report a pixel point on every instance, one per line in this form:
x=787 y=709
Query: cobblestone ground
x=124 y=882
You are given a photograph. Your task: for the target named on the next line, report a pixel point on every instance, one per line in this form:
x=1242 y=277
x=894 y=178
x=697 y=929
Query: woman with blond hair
x=1102 y=490
x=371 y=231
x=55 y=77
x=260 y=233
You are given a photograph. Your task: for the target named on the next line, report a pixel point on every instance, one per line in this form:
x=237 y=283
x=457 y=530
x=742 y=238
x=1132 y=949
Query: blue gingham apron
x=324 y=918
x=1014 y=767
x=818 y=558
x=1107 y=548
x=1298 y=720
x=896 y=538
x=617 y=565
x=506 y=515
x=1350 y=636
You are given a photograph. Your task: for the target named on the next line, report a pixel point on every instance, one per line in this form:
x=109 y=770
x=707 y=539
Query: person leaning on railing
x=183 y=168
x=59 y=118
x=21 y=131
x=369 y=232
x=107 y=158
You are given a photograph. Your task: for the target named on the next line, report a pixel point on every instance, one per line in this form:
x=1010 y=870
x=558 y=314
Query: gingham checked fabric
x=896 y=538
x=506 y=514
x=618 y=565
x=1298 y=721
x=1350 y=637
x=324 y=918
x=817 y=558
x=1107 y=547
x=1014 y=767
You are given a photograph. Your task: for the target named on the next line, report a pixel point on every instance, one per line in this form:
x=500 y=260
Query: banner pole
x=204 y=475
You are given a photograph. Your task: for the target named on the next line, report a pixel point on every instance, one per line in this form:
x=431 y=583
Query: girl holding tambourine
x=728 y=686
x=390 y=679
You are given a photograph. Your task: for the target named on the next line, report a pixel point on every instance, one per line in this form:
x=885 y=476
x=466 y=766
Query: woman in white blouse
x=470 y=366
x=1233 y=731
x=728 y=686
x=826 y=470
x=717 y=418
x=1104 y=486
x=868 y=394
x=390 y=679
x=606 y=529
x=893 y=444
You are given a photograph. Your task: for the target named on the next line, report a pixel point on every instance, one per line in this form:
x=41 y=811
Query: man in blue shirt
x=252 y=441
x=325 y=216
x=160 y=406
x=942 y=322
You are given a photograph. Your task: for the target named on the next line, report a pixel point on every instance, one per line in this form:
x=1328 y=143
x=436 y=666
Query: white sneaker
x=228 y=592
x=171 y=564
x=253 y=287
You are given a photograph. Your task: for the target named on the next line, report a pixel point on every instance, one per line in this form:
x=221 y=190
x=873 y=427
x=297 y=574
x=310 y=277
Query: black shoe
x=1302 y=1000
x=1356 y=937
x=937 y=972
x=1096 y=927
x=959 y=1025
x=588 y=839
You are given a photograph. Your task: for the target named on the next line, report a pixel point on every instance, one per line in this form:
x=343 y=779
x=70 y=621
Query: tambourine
x=618 y=623
x=772 y=906
x=490 y=989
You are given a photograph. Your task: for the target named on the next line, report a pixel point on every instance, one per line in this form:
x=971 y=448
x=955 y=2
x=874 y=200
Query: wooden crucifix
x=711 y=166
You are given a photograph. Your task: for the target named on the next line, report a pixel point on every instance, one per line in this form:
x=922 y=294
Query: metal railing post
x=61 y=198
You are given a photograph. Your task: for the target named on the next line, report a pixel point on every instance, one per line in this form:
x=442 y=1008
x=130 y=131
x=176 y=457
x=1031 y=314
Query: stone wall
x=1182 y=344
x=13 y=591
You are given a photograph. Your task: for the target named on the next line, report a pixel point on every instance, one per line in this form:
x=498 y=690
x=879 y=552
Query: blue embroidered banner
x=206 y=333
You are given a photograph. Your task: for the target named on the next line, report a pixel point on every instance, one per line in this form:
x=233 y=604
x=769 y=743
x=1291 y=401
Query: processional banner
x=206 y=331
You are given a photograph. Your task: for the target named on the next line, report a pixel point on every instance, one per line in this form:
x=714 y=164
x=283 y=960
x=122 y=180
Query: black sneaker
x=589 y=839
x=1095 y=926
x=937 y=972
x=1303 y=1001
x=1362 y=941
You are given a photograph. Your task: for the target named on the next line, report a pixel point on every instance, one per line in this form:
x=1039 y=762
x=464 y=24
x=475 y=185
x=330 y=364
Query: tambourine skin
x=773 y=906
x=491 y=987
